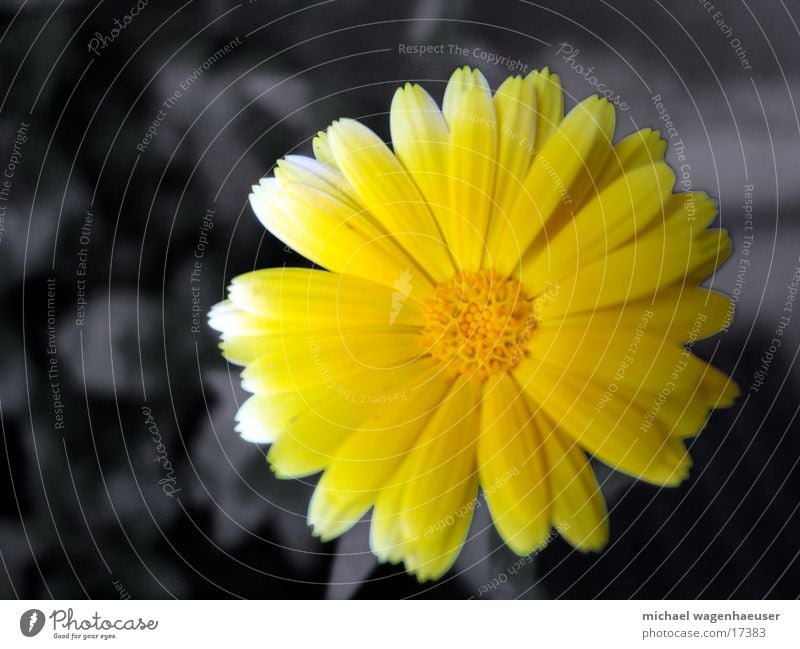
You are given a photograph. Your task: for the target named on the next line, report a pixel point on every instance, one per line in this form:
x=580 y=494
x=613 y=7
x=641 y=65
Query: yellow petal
x=322 y=149
x=389 y=193
x=615 y=216
x=615 y=434
x=243 y=333
x=679 y=314
x=302 y=297
x=549 y=105
x=686 y=214
x=264 y=418
x=515 y=106
x=386 y=534
x=232 y=321
x=420 y=140
x=511 y=466
x=659 y=259
x=461 y=82
x=309 y=436
x=578 y=510
x=272 y=310
x=639 y=360
x=471 y=171
x=291 y=361
x=559 y=179
x=331 y=232
x=305 y=171
x=438 y=485
x=370 y=455
x=682 y=405
x=256 y=420
x=637 y=356
x=639 y=149
x=267 y=357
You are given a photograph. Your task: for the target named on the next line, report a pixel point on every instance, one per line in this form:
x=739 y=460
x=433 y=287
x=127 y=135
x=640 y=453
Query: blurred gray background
x=104 y=361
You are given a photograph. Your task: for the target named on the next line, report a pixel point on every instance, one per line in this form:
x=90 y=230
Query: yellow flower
x=506 y=291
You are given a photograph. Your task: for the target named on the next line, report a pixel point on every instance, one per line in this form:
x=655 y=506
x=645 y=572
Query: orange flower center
x=478 y=324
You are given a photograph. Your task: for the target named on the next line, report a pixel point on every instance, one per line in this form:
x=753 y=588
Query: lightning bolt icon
x=32 y=620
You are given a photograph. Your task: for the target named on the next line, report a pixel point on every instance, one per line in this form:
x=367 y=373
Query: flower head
x=506 y=290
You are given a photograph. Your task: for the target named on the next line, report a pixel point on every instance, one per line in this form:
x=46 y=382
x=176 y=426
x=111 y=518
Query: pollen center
x=478 y=324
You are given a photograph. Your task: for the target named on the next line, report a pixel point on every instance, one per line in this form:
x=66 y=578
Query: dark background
x=82 y=513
